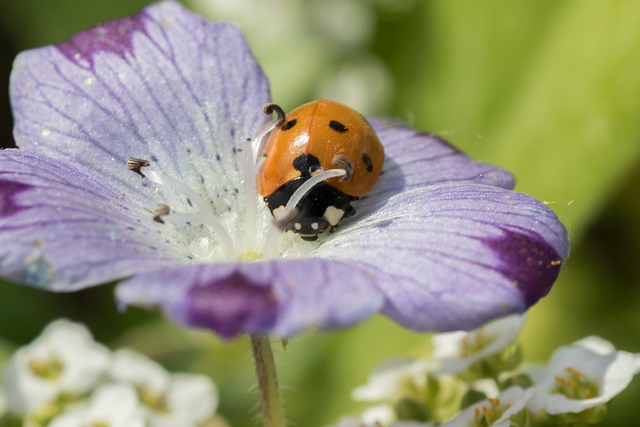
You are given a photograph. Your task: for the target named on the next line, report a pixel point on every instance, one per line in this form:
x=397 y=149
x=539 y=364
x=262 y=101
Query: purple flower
x=440 y=243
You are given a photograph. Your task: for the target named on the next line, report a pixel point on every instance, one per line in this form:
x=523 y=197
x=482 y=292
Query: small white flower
x=406 y=423
x=144 y=374
x=382 y=415
x=457 y=351
x=581 y=376
x=377 y=416
x=495 y=412
x=112 y=405
x=63 y=359
x=393 y=378
x=183 y=400
x=191 y=399
x=348 y=422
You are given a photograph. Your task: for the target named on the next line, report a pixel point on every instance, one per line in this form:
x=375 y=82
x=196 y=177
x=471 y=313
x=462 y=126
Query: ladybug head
x=321 y=208
x=309 y=227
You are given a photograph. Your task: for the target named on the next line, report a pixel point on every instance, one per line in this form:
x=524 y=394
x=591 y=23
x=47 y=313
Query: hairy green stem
x=270 y=400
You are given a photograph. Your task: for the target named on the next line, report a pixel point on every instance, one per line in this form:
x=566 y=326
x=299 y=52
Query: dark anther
x=136 y=165
x=159 y=211
x=275 y=108
x=343 y=162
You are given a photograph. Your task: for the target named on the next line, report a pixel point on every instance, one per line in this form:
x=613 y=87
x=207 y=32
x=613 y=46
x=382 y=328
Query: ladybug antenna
x=271 y=108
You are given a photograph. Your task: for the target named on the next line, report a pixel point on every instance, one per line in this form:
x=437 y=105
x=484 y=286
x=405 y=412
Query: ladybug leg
x=351 y=211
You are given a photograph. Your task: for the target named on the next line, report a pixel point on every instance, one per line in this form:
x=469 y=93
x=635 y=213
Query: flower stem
x=270 y=400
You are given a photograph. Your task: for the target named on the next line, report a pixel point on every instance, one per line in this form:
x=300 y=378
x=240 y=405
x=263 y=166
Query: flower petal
x=163 y=85
x=414 y=159
x=279 y=297
x=451 y=257
x=510 y=402
x=612 y=371
x=455 y=356
x=66 y=229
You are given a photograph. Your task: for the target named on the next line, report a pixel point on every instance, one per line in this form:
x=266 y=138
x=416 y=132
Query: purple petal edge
x=232 y=304
x=455 y=256
x=8 y=192
x=114 y=37
x=277 y=297
x=529 y=262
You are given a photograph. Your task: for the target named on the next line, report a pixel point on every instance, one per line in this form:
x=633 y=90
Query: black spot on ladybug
x=338 y=127
x=291 y=123
x=306 y=164
x=367 y=162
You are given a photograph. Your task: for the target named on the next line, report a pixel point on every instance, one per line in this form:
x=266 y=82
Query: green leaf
x=545 y=89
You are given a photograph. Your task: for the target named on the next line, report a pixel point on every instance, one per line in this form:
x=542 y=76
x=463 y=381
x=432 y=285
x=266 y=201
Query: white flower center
x=488 y=414
x=575 y=385
x=208 y=233
x=49 y=369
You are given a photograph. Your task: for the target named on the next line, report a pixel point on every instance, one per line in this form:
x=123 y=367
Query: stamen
x=135 y=165
x=269 y=127
x=250 y=192
x=282 y=217
x=206 y=216
x=261 y=136
x=252 y=162
x=575 y=385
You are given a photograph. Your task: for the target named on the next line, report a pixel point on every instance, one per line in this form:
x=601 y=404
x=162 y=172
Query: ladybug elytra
x=319 y=136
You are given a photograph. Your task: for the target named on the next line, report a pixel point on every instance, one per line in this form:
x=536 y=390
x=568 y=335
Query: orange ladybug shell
x=324 y=129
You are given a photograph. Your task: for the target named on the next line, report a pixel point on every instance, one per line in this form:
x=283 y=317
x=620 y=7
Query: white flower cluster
x=66 y=379
x=476 y=379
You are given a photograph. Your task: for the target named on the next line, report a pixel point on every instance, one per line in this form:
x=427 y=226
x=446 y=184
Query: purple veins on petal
x=454 y=256
x=184 y=89
x=441 y=242
x=65 y=229
x=114 y=37
x=415 y=159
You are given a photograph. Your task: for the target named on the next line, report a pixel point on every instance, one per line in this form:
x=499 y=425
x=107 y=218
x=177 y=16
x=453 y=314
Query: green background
x=549 y=89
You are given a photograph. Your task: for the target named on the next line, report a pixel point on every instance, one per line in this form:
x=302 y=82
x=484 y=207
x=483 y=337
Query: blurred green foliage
x=548 y=89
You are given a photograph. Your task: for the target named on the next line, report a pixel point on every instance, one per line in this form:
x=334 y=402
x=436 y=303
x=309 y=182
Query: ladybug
x=315 y=137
